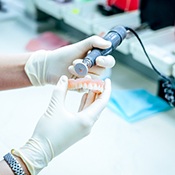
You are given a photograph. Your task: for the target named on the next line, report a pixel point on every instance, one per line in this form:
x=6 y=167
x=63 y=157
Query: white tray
x=102 y=25
x=50 y=7
x=82 y=15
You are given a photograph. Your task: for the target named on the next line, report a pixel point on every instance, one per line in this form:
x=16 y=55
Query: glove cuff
x=35 y=68
x=33 y=156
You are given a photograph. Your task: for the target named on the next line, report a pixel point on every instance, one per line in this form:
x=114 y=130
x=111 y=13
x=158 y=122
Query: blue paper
x=133 y=105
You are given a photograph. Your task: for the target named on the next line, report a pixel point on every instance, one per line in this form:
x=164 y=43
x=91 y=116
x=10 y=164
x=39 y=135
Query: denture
x=86 y=84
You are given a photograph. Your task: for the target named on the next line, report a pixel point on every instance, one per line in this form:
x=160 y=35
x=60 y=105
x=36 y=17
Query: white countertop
x=113 y=147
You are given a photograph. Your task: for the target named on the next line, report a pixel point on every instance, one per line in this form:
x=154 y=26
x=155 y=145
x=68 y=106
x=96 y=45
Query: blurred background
x=135 y=136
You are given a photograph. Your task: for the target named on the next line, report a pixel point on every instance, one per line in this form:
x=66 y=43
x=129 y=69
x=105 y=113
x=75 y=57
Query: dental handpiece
x=115 y=36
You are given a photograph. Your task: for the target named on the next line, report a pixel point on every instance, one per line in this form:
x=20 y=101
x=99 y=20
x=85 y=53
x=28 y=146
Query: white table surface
x=113 y=147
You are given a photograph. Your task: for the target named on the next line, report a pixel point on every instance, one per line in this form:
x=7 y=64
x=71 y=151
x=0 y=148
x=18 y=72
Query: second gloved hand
x=58 y=128
x=46 y=67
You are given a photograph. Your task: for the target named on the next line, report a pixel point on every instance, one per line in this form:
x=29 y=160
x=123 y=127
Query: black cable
x=168 y=85
x=136 y=35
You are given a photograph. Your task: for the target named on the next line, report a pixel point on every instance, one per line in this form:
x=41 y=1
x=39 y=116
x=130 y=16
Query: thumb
x=61 y=89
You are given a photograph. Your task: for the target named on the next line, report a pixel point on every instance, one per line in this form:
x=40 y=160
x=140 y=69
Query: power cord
x=167 y=83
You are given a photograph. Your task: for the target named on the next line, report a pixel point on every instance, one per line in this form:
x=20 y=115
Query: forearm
x=12 y=74
x=6 y=170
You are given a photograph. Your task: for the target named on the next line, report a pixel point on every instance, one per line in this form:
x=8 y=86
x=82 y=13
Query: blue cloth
x=133 y=105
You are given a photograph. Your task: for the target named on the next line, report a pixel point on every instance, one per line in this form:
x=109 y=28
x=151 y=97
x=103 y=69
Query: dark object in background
x=108 y=10
x=1 y=5
x=62 y=1
x=166 y=91
x=157 y=13
x=2 y=8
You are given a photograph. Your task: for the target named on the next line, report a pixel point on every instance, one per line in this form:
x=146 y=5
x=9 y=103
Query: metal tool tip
x=81 y=69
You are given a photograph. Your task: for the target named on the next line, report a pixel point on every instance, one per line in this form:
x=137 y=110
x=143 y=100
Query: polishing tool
x=115 y=36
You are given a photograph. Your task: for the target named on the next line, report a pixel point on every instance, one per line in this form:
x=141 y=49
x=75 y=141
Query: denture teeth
x=85 y=86
x=75 y=86
x=95 y=87
x=79 y=85
x=90 y=86
x=99 y=87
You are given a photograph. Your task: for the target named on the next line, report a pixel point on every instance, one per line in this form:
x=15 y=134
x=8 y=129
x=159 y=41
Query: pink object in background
x=46 y=41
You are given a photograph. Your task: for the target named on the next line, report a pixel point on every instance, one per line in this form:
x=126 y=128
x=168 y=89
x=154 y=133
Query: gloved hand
x=58 y=128
x=46 y=67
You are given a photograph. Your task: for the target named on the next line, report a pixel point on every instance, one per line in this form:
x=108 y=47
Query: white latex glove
x=58 y=128
x=46 y=67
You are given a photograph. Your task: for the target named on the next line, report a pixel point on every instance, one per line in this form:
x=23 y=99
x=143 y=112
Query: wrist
x=35 y=68
x=23 y=165
x=33 y=155
x=13 y=165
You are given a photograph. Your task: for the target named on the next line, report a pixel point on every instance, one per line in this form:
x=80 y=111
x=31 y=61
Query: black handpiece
x=115 y=36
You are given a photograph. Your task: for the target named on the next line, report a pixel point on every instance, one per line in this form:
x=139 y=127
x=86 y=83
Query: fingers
x=102 y=62
x=61 y=89
x=93 y=72
x=83 y=101
x=72 y=71
x=105 y=61
x=93 y=110
x=94 y=41
x=90 y=99
x=87 y=100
